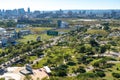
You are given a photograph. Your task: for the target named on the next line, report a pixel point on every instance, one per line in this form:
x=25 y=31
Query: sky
x=59 y=4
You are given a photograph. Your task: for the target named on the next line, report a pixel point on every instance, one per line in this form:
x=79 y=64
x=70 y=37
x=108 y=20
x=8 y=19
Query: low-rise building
x=114 y=34
x=27 y=70
x=2 y=31
x=47 y=69
x=8 y=38
x=4 y=41
x=24 y=32
x=14 y=73
x=62 y=24
x=21 y=26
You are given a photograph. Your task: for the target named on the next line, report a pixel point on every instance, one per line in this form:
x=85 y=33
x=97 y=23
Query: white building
x=21 y=26
x=64 y=25
x=47 y=69
x=2 y=31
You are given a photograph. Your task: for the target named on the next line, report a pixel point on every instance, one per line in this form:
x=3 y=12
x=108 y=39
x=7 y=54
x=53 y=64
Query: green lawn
x=109 y=76
x=101 y=32
x=94 y=61
x=109 y=72
x=1 y=50
x=33 y=37
x=36 y=32
x=63 y=30
x=39 y=29
x=32 y=58
x=34 y=29
x=40 y=64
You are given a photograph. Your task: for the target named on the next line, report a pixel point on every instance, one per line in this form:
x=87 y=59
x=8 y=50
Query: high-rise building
x=15 y=12
x=8 y=12
x=59 y=23
x=0 y=12
x=21 y=11
x=3 y=12
x=28 y=10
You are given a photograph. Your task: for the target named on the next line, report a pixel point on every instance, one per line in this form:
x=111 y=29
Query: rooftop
x=14 y=73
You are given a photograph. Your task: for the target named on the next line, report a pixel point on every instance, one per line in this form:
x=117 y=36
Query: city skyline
x=59 y=4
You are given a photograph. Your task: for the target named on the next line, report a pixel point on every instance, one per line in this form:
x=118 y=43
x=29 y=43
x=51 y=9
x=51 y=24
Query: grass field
x=63 y=30
x=39 y=29
x=32 y=58
x=40 y=64
x=36 y=32
x=1 y=50
x=100 y=32
x=34 y=29
x=33 y=37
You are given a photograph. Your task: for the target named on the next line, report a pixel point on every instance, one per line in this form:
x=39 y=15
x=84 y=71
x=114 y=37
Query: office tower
x=28 y=10
x=59 y=23
x=21 y=11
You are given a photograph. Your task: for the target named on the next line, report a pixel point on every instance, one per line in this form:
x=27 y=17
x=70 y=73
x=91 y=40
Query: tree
x=106 y=26
x=116 y=75
x=88 y=48
x=28 y=42
x=108 y=46
x=37 y=63
x=100 y=63
x=67 y=57
x=87 y=75
x=10 y=24
x=81 y=69
x=81 y=49
x=93 y=43
x=71 y=63
x=61 y=73
x=100 y=73
x=103 y=49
